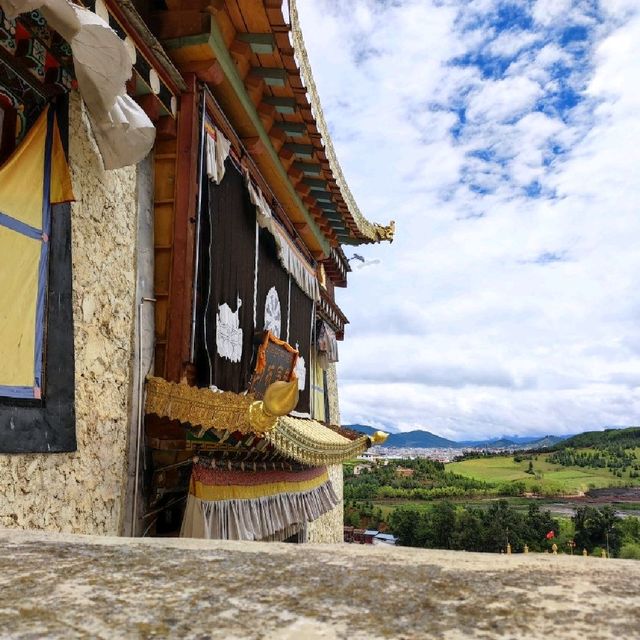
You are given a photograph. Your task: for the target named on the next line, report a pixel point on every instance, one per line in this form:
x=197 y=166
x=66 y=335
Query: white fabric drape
x=270 y=518
x=291 y=261
x=216 y=151
x=327 y=345
x=102 y=64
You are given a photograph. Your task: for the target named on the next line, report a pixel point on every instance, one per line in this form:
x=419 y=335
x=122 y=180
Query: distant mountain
x=362 y=428
x=420 y=439
x=546 y=441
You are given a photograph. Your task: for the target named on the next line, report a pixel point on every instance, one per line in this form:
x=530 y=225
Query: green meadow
x=544 y=477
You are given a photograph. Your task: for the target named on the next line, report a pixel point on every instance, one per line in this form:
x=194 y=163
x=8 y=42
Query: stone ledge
x=64 y=586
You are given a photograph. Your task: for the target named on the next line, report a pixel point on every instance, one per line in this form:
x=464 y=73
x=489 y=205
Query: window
x=36 y=325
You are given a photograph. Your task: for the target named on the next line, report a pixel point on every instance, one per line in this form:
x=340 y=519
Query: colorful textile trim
x=310 y=442
x=232 y=504
x=231 y=484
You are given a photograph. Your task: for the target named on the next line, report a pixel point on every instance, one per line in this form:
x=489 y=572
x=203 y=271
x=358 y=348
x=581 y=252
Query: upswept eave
x=369 y=231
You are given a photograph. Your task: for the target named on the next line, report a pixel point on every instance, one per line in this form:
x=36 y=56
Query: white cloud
x=508 y=302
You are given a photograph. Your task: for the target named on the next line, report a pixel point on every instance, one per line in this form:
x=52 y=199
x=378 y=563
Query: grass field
x=548 y=478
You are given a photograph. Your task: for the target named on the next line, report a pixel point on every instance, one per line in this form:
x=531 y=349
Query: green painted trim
x=302 y=150
x=308 y=168
x=286 y=106
x=228 y=66
x=261 y=43
x=320 y=196
x=315 y=182
x=274 y=77
x=188 y=41
x=292 y=129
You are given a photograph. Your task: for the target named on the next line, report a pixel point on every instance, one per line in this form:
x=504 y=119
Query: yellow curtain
x=23 y=250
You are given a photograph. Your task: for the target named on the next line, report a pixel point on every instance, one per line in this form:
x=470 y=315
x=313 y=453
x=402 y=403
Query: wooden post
x=186 y=192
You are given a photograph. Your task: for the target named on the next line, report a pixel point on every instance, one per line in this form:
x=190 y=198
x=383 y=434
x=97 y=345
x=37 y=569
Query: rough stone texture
x=83 y=491
x=62 y=586
x=329 y=527
x=332 y=392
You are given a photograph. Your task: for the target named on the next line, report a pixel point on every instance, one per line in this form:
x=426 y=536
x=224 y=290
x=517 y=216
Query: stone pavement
x=64 y=586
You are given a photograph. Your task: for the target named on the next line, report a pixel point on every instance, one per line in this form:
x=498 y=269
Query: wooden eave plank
x=235 y=101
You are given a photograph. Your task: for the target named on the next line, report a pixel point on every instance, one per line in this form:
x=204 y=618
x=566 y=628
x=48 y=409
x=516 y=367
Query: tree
x=597 y=528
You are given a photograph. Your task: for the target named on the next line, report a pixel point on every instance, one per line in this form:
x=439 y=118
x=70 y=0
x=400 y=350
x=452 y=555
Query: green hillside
x=566 y=472
x=626 y=438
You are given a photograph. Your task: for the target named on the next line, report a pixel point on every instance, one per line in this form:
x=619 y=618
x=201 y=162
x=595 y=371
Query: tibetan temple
x=173 y=220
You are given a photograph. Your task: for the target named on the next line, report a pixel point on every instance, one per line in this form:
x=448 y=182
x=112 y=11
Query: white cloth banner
x=292 y=262
x=102 y=64
x=217 y=151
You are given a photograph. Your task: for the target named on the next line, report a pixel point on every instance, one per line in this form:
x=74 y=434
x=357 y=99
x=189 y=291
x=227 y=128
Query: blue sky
x=504 y=139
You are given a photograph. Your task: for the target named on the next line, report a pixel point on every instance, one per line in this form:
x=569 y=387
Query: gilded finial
x=379 y=437
x=279 y=398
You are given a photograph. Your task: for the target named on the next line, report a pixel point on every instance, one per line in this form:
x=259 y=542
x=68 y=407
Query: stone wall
x=332 y=392
x=328 y=528
x=84 y=491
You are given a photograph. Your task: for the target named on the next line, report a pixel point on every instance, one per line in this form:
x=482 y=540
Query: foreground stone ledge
x=64 y=586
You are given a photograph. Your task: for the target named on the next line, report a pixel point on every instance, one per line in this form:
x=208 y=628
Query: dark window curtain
x=300 y=317
x=226 y=273
x=271 y=274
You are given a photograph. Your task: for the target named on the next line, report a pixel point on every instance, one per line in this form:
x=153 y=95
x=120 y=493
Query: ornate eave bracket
x=369 y=231
x=220 y=410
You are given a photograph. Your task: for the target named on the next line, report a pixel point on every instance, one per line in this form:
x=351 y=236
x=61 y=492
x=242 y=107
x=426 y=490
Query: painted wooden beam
x=253 y=145
x=285 y=106
x=208 y=71
x=296 y=175
x=308 y=168
x=267 y=114
x=273 y=76
x=200 y=5
x=260 y=43
x=318 y=183
x=303 y=189
x=293 y=129
x=301 y=150
x=180 y=23
x=321 y=196
x=166 y=129
x=277 y=137
x=223 y=56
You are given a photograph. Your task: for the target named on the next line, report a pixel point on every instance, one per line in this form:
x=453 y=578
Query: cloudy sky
x=504 y=139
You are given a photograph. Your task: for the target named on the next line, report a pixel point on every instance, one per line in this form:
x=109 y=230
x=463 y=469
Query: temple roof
x=363 y=229
x=254 y=62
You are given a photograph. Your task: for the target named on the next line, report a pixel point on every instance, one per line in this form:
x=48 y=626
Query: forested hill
x=625 y=438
